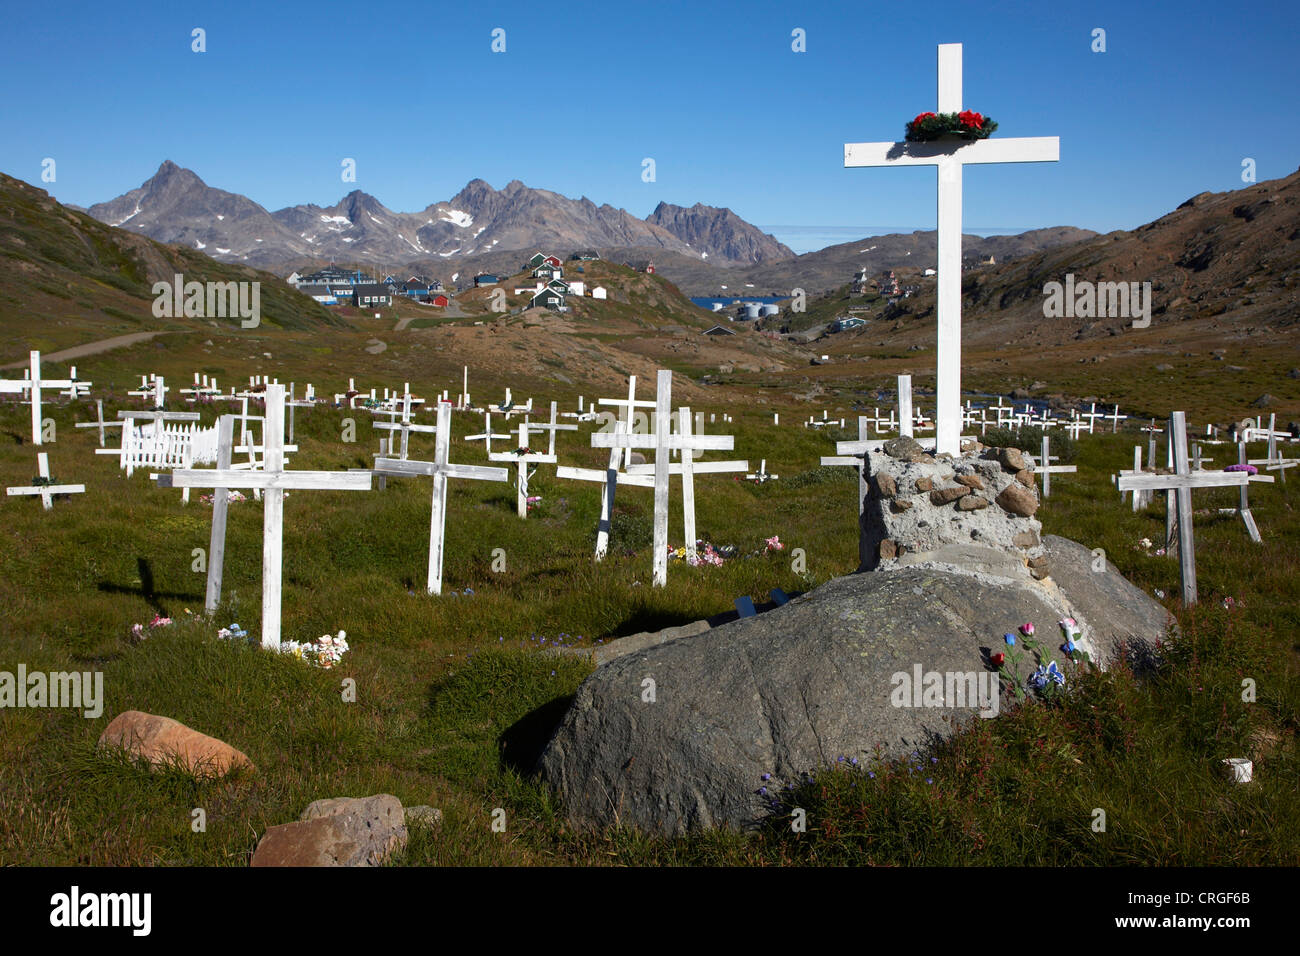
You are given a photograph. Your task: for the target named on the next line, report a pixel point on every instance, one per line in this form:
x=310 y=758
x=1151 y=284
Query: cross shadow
x=148 y=591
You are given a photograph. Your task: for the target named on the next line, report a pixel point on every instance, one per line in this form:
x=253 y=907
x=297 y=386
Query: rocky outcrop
x=678 y=736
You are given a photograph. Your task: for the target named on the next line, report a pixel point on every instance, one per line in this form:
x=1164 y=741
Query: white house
x=598 y=292
x=576 y=286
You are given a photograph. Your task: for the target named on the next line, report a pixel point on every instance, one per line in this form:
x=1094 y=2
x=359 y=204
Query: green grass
x=455 y=694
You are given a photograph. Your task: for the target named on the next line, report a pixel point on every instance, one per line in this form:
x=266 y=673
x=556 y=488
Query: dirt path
x=94 y=348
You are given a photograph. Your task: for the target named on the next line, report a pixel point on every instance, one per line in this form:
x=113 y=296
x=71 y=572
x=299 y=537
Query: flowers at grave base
x=998 y=659
x=1047 y=675
x=323 y=652
x=231 y=496
x=774 y=544
x=1027 y=629
x=138 y=630
x=967 y=124
x=1229 y=603
x=520 y=452
x=41 y=481
x=1248 y=469
x=232 y=633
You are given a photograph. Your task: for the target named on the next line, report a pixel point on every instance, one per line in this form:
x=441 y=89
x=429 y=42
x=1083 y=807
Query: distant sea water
x=811 y=238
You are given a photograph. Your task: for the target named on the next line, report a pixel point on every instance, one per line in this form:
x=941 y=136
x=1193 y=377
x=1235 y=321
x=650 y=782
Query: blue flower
x=1045 y=675
x=767 y=776
x=1009 y=638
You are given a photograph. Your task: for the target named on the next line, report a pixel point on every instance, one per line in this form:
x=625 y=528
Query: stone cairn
x=920 y=506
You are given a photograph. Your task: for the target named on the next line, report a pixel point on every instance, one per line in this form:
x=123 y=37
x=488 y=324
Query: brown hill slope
x=66 y=278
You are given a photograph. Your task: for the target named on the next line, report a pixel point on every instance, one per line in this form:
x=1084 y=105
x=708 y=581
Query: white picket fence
x=161 y=446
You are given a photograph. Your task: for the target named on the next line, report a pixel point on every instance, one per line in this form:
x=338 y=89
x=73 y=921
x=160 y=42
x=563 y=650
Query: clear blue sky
x=585 y=91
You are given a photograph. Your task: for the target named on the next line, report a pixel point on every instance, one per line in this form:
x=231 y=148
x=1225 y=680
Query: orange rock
x=161 y=740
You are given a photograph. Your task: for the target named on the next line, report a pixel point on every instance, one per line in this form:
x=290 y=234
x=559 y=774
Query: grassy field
x=455 y=694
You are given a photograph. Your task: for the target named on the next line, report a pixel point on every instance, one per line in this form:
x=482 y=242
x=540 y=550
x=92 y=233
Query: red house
x=440 y=300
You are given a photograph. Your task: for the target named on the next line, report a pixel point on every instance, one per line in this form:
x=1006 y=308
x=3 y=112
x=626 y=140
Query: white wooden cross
x=488 y=435
x=662 y=441
x=552 y=428
x=152 y=387
x=1092 y=415
x=1115 y=418
x=220 y=507
x=858 y=461
x=75 y=389
x=761 y=475
x=949 y=157
x=35 y=383
x=612 y=476
x=45 y=490
x=440 y=470
x=274 y=480
x=99 y=422
x=522 y=457
x=1047 y=469
x=1181 y=483
x=688 y=468
x=405 y=426
x=1275 y=461
x=628 y=415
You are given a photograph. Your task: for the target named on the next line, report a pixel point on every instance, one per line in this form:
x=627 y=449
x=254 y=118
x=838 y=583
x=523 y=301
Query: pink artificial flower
x=1027 y=629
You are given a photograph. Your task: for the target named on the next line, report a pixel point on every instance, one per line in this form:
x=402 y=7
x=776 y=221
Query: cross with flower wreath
x=949 y=155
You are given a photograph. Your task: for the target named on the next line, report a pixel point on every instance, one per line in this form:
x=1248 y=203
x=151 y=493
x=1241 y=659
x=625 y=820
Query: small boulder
x=903 y=448
x=340 y=831
x=1026 y=477
x=970 y=481
x=888 y=549
x=943 y=496
x=1012 y=459
x=1018 y=501
x=161 y=740
x=924 y=484
x=884 y=485
x=972 y=503
x=900 y=504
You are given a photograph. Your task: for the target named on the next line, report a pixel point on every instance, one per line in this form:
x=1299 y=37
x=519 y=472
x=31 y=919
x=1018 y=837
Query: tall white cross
x=1181 y=483
x=440 y=470
x=688 y=468
x=856 y=460
x=35 y=383
x=949 y=156
x=523 y=456
x=274 y=480
x=662 y=441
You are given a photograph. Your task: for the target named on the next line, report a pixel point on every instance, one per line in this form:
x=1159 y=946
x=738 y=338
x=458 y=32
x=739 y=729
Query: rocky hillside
x=65 y=277
x=719 y=234
x=1220 y=261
